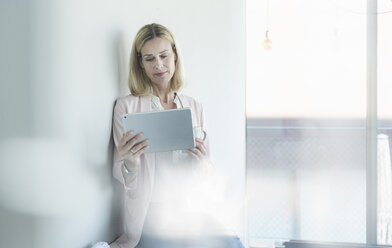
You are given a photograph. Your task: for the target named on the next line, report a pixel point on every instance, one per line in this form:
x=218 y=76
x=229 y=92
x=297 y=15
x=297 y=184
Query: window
x=308 y=122
x=384 y=104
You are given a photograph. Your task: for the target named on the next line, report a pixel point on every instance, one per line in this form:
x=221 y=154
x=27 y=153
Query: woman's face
x=158 y=61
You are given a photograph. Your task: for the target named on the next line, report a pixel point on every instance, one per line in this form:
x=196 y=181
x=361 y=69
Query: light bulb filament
x=267 y=42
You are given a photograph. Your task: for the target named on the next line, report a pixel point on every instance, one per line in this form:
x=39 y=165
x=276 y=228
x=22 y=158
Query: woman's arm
x=201 y=153
x=126 y=152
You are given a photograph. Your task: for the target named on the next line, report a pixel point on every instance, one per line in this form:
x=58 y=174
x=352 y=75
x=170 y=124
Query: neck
x=164 y=94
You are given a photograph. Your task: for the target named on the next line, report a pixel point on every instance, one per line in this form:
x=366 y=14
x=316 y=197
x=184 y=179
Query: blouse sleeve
x=204 y=168
x=125 y=175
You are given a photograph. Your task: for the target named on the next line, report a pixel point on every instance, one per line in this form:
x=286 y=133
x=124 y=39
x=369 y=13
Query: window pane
x=306 y=109
x=385 y=123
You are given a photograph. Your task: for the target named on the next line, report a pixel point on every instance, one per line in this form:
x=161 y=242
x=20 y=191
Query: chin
x=161 y=81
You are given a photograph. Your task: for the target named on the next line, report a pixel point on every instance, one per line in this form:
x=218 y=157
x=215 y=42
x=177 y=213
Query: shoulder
x=126 y=104
x=190 y=101
x=129 y=99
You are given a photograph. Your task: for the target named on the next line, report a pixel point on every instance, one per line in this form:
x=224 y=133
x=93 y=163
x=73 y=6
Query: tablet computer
x=167 y=130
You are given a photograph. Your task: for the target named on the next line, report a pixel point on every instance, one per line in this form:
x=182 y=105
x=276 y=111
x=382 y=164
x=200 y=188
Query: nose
x=159 y=63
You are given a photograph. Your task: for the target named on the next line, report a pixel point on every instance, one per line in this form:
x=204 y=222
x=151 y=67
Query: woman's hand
x=200 y=151
x=129 y=149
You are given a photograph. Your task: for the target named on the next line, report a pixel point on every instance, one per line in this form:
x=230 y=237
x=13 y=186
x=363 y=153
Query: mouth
x=160 y=74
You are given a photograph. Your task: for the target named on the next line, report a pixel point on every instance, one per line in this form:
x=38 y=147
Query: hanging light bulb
x=267 y=42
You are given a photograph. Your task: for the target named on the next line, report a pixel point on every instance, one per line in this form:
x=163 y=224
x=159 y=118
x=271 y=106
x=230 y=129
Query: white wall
x=63 y=64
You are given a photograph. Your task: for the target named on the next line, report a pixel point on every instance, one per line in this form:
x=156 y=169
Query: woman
x=158 y=186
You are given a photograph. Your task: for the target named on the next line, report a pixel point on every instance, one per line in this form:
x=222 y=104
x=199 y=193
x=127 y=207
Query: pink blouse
x=139 y=181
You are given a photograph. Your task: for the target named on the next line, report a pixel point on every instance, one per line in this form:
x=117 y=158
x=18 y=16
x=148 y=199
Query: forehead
x=155 y=46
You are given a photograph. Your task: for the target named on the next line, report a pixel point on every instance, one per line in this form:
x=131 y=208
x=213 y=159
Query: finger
x=133 y=156
x=141 y=151
x=193 y=154
x=201 y=147
x=133 y=141
x=201 y=153
x=197 y=152
x=137 y=147
x=126 y=137
x=199 y=140
x=203 y=150
x=125 y=151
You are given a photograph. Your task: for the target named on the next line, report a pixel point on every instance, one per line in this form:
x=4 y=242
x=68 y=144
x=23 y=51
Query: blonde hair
x=139 y=83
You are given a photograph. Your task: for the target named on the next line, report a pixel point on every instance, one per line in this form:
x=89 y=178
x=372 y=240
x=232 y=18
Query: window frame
x=371 y=145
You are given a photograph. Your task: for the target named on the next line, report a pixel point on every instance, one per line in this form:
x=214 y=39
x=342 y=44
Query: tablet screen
x=167 y=130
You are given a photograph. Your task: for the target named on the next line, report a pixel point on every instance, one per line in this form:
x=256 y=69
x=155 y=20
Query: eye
x=149 y=59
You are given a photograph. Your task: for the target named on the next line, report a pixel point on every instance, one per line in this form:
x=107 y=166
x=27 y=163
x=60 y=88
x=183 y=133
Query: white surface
x=64 y=63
